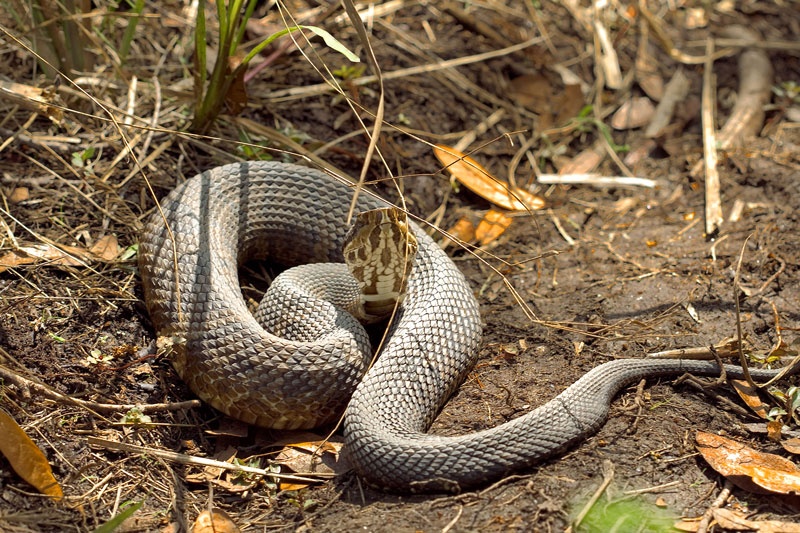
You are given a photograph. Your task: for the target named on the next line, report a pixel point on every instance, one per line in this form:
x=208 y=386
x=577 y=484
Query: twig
x=95 y=407
x=608 y=475
x=322 y=88
x=652 y=489
x=560 y=228
x=747 y=116
x=201 y=461
x=594 y=179
x=713 y=208
x=724 y=494
x=724 y=348
x=361 y=31
x=742 y=358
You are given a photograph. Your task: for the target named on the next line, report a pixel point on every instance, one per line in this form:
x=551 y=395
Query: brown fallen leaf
x=464 y=230
x=214 y=521
x=689 y=524
x=750 y=397
x=773 y=479
x=228 y=480
x=37 y=253
x=33 y=98
x=493 y=224
x=634 y=113
x=19 y=194
x=236 y=98
x=311 y=457
x=533 y=91
x=737 y=521
x=569 y=103
x=584 y=162
x=748 y=469
x=26 y=458
x=791 y=445
x=774 y=430
x=477 y=179
x=647 y=75
x=106 y=248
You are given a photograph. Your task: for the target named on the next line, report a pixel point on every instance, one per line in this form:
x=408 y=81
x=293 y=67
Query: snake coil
x=295 y=215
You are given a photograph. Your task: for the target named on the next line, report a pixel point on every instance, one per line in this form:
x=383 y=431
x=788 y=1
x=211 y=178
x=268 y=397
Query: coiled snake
x=295 y=215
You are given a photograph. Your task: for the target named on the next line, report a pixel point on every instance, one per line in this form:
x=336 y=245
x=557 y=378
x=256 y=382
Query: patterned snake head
x=379 y=250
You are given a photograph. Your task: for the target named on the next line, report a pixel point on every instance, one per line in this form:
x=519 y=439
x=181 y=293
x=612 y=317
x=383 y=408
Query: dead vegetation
x=658 y=136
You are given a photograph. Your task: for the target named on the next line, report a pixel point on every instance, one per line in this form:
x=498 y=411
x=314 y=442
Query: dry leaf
x=289 y=437
x=791 y=445
x=584 y=162
x=474 y=177
x=464 y=230
x=229 y=480
x=215 y=521
x=774 y=479
x=748 y=469
x=236 y=98
x=317 y=447
x=19 y=194
x=546 y=98
x=311 y=457
x=493 y=224
x=647 y=75
x=737 y=521
x=774 y=430
x=569 y=103
x=689 y=524
x=106 y=248
x=533 y=91
x=634 y=113
x=32 y=98
x=27 y=255
x=26 y=458
x=750 y=397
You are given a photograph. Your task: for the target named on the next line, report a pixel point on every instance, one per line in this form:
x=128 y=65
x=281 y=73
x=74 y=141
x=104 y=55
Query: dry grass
x=91 y=161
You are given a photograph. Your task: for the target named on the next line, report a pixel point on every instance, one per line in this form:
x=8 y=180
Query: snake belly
x=293 y=215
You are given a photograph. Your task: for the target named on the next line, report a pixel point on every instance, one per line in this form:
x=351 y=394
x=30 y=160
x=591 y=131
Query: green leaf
x=332 y=43
x=115 y=522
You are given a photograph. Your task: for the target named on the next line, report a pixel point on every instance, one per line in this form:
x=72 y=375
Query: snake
x=209 y=225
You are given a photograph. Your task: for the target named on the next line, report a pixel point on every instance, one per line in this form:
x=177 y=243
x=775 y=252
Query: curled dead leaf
x=105 y=249
x=748 y=469
x=39 y=100
x=26 y=458
x=474 y=177
x=750 y=397
x=463 y=230
x=791 y=445
x=214 y=521
x=585 y=162
x=634 y=113
x=19 y=194
x=493 y=224
x=737 y=521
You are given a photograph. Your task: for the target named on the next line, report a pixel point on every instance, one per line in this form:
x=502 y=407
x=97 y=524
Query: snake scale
x=293 y=215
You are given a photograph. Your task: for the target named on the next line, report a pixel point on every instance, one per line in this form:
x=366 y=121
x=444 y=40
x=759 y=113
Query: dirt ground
x=609 y=272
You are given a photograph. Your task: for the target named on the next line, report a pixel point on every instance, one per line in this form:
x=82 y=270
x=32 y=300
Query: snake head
x=379 y=251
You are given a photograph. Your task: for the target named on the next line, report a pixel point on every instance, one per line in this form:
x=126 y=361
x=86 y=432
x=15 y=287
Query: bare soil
x=639 y=275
